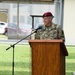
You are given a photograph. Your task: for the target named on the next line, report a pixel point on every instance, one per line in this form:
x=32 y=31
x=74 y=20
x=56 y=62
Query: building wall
x=28 y=9
x=69 y=21
x=3 y=16
x=4 y=12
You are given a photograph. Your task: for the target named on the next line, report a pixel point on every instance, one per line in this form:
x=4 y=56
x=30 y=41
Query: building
x=63 y=10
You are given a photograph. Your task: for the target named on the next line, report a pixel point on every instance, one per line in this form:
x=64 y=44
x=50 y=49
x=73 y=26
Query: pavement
x=13 y=41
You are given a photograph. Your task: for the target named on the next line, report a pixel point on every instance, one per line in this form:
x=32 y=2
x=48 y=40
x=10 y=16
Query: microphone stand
x=13 y=46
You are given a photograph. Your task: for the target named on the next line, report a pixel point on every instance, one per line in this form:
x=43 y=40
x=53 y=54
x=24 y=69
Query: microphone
x=39 y=27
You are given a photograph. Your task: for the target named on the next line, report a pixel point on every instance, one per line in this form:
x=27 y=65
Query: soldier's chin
x=47 y=25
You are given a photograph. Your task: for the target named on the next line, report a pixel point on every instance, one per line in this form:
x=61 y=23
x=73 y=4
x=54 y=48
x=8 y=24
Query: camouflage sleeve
x=37 y=35
x=61 y=33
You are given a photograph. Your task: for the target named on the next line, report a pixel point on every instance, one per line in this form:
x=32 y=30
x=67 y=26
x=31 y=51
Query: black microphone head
x=39 y=27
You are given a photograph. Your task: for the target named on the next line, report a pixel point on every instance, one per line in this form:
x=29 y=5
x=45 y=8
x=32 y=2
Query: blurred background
x=16 y=21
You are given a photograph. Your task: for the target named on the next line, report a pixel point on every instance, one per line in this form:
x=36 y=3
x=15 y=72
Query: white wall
x=69 y=21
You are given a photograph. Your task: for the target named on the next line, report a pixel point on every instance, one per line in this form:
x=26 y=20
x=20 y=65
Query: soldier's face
x=47 y=20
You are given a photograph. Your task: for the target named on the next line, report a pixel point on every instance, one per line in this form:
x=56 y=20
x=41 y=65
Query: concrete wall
x=69 y=21
x=3 y=16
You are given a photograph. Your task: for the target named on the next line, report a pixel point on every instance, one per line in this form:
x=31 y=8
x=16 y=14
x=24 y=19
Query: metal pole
x=61 y=12
x=17 y=17
x=13 y=61
x=32 y=22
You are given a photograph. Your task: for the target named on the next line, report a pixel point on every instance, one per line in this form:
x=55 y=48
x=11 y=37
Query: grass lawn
x=23 y=60
x=70 y=61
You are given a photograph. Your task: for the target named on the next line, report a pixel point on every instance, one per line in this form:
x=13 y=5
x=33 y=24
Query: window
x=14 y=5
x=21 y=19
x=14 y=19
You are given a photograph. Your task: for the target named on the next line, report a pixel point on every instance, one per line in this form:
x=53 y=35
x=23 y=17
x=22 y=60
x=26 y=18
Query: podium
x=48 y=57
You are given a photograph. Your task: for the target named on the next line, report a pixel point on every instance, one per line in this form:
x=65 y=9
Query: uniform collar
x=53 y=26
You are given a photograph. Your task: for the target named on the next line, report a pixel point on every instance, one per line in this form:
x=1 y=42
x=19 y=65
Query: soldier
x=49 y=29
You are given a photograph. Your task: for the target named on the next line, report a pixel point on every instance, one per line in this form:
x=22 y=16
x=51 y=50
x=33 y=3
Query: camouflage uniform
x=52 y=32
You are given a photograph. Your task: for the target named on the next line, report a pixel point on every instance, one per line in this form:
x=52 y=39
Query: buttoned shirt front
x=50 y=32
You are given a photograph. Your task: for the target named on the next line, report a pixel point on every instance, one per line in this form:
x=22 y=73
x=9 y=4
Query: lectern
x=48 y=57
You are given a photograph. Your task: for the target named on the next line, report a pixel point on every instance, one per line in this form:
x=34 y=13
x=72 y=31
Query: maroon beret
x=47 y=14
